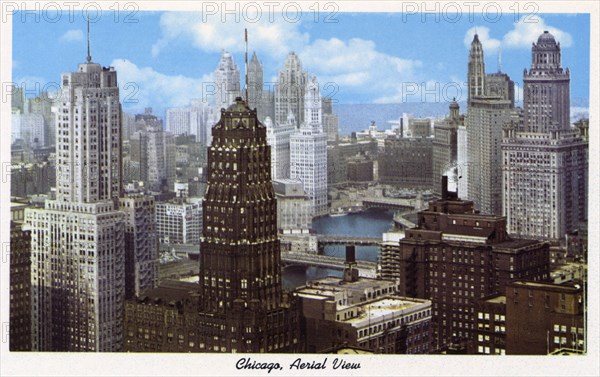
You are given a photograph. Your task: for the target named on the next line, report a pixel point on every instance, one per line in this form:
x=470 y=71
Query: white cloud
x=143 y=86
x=528 y=29
x=483 y=33
x=273 y=39
x=358 y=65
x=73 y=35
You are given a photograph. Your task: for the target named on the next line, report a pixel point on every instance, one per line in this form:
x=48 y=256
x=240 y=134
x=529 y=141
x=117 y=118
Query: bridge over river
x=365 y=268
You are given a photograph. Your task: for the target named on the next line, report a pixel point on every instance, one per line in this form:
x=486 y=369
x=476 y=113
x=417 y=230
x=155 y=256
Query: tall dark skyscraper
x=240 y=260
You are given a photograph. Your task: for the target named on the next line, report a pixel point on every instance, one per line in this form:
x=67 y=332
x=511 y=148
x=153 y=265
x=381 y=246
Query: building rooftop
x=387 y=308
x=169 y=292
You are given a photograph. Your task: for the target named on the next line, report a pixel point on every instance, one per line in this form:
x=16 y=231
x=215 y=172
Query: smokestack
x=350 y=254
x=444 y=187
x=350 y=273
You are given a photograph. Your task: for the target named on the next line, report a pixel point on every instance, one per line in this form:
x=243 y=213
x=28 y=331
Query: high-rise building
x=141 y=243
x=445 y=147
x=278 y=137
x=545 y=159
x=227 y=82
x=484 y=122
x=476 y=71
x=178 y=222
x=454 y=257
x=330 y=121
x=178 y=121
x=20 y=281
x=407 y=162
x=77 y=244
x=30 y=128
x=290 y=90
x=255 y=86
x=240 y=306
x=308 y=151
x=490 y=107
x=240 y=265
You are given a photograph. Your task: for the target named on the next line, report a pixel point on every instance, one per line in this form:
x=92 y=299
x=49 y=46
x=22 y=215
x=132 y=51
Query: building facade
x=454 y=257
x=278 y=137
x=77 y=244
x=364 y=313
x=178 y=222
x=545 y=163
x=407 y=162
x=20 y=281
x=294 y=207
x=308 y=151
x=290 y=90
x=141 y=243
x=227 y=81
x=445 y=147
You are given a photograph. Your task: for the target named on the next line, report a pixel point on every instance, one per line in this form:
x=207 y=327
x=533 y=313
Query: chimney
x=444 y=187
x=350 y=273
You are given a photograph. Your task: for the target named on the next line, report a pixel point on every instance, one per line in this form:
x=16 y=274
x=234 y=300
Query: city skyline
x=169 y=52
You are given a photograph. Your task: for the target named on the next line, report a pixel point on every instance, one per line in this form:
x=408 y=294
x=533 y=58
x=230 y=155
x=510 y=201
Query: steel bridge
x=365 y=268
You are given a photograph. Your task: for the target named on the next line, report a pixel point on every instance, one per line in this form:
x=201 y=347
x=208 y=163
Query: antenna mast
x=246 y=62
x=500 y=59
x=89 y=55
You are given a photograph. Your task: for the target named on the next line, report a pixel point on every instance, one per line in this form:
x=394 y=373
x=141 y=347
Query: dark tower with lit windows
x=241 y=304
x=240 y=263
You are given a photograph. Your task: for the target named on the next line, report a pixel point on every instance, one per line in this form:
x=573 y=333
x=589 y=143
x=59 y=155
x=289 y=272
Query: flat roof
x=386 y=308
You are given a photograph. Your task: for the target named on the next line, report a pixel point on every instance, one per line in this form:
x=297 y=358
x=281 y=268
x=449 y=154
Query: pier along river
x=370 y=223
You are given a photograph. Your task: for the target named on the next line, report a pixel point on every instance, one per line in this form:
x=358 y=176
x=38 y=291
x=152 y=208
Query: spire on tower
x=89 y=55
x=246 y=61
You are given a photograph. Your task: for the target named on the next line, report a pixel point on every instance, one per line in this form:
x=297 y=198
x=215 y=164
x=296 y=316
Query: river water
x=369 y=223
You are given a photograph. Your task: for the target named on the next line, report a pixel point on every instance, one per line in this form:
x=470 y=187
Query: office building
x=290 y=91
x=545 y=158
x=454 y=257
x=77 y=240
x=308 y=151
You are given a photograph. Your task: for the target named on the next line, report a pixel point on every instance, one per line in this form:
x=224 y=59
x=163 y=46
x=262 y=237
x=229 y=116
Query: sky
x=164 y=59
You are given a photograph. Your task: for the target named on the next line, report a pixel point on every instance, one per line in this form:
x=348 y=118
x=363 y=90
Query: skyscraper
x=545 y=158
x=77 y=243
x=227 y=81
x=445 y=147
x=490 y=106
x=240 y=265
x=290 y=90
x=484 y=122
x=278 y=137
x=308 y=151
x=476 y=72
x=255 y=85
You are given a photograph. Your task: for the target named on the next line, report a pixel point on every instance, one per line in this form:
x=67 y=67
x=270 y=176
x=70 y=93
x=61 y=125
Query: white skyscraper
x=290 y=90
x=545 y=158
x=278 y=137
x=77 y=245
x=227 y=82
x=308 y=151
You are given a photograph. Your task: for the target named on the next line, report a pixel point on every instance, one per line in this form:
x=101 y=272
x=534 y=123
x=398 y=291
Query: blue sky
x=384 y=60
